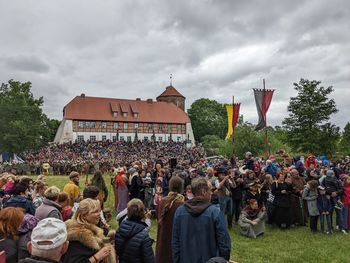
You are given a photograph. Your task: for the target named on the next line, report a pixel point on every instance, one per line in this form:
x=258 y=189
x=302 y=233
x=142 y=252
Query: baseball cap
x=49 y=233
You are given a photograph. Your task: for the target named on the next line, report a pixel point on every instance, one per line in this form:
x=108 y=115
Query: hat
x=320 y=187
x=49 y=233
x=221 y=170
x=73 y=174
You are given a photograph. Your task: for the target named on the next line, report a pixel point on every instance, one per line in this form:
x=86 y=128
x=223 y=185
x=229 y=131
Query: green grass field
x=282 y=246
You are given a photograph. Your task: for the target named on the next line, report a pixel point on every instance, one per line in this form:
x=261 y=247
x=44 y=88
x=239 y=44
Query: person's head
x=330 y=173
x=210 y=171
x=27 y=181
x=313 y=184
x=294 y=173
x=91 y=192
x=49 y=239
x=20 y=189
x=201 y=187
x=280 y=176
x=176 y=184
x=253 y=204
x=312 y=166
x=221 y=173
x=74 y=177
x=10 y=220
x=321 y=190
x=40 y=187
x=136 y=210
x=63 y=199
x=250 y=174
x=346 y=180
x=88 y=212
x=52 y=193
x=268 y=178
x=41 y=178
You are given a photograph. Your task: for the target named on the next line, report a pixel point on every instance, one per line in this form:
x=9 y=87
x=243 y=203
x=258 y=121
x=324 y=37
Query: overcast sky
x=214 y=49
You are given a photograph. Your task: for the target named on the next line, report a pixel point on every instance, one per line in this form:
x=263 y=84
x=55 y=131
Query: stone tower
x=172 y=95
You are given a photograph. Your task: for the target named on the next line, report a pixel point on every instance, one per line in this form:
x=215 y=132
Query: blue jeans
x=338 y=213
x=329 y=222
x=225 y=203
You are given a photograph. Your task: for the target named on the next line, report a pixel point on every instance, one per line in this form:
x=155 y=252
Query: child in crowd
x=324 y=207
x=310 y=195
x=189 y=194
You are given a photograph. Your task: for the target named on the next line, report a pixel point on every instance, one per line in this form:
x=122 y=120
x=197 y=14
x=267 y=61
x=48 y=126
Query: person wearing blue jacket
x=199 y=229
x=20 y=199
x=324 y=207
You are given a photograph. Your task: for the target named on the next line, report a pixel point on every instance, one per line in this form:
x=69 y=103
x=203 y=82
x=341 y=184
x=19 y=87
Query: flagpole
x=233 y=116
x=264 y=109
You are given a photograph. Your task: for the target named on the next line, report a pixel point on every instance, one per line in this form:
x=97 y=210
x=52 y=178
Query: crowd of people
x=195 y=201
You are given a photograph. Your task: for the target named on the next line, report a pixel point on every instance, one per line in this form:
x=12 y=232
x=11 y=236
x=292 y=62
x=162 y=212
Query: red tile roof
x=100 y=109
x=170 y=91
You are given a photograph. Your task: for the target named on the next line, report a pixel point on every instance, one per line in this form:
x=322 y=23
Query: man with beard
x=72 y=187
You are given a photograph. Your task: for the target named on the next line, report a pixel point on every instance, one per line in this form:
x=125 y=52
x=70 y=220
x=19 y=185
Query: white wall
x=64 y=132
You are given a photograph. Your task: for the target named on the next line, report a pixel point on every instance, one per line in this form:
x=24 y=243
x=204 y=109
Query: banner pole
x=267 y=152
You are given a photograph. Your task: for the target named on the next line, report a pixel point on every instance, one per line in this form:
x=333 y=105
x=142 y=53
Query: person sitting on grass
x=252 y=219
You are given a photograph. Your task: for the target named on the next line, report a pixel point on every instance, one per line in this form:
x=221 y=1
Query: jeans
x=329 y=222
x=338 y=213
x=225 y=203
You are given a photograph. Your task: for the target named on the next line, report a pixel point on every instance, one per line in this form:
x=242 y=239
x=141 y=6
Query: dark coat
x=165 y=232
x=281 y=200
x=21 y=201
x=199 y=233
x=136 y=188
x=34 y=259
x=133 y=243
x=323 y=204
x=10 y=247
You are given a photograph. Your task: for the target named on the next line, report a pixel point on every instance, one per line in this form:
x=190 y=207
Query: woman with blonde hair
x=86 y=241
x=50 y=206
x=10 y=220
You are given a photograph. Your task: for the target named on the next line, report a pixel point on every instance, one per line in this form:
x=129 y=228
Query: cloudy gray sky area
x=213 y=48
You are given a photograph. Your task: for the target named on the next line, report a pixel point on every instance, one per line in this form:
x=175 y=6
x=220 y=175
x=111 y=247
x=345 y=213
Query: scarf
x=169 y=201
x=252 y=213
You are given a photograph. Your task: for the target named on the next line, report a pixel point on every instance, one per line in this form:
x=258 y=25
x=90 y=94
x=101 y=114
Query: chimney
x=149 y=100
x=82 y=95
x=138 y=99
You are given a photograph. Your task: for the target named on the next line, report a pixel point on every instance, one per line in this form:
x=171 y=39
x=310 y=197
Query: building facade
x=98 y=119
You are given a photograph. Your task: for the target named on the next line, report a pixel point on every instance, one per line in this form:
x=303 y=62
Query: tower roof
x=170 y=91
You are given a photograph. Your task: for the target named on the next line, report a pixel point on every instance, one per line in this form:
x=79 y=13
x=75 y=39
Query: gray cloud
x=214 y=49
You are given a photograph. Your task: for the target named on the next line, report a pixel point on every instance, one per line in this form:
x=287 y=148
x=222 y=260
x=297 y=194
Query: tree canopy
x=23 y=125
x=208 y=117
x=308 y=127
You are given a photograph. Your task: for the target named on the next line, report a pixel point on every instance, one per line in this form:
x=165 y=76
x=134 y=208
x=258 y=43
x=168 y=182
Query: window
x=104 y=125
x=115 y=125
x=92 y=138
x=125 y=114
x=115 y=114
x=170 y=127
x=145 y=138
x=136 y=125
x=178 y=138
x=136 y=115
x=81 y=124
x=129 y=138
x=149 y=126
x=104 y=137
x=126 y=125
x=160 y=139
x=161 y=126
x=90 y=124
x=122 y=138
x=80 y=138
x=114 y=138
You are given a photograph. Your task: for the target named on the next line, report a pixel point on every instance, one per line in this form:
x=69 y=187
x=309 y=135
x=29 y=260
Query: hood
x=129 y=228
x=51 y=203
x=28 y=223
x=18 y=199
x=196 y=206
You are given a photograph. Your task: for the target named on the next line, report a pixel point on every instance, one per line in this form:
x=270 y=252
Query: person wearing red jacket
x=346 y=202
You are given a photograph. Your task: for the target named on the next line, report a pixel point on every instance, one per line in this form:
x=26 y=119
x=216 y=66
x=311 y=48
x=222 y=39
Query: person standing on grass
x=97 y=180
x=72 y=187
x=199 y=229
x=310 y=195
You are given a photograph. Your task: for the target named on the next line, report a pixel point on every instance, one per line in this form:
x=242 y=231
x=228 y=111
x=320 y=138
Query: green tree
x=308 y=127
x=23 y=125
x=344 y=144
x=208 y=117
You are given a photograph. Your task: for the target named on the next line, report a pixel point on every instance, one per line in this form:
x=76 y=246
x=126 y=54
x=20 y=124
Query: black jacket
x=133 y=243
x=34 y=259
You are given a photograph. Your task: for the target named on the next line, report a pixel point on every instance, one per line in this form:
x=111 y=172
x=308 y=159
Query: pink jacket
x=346 y=195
